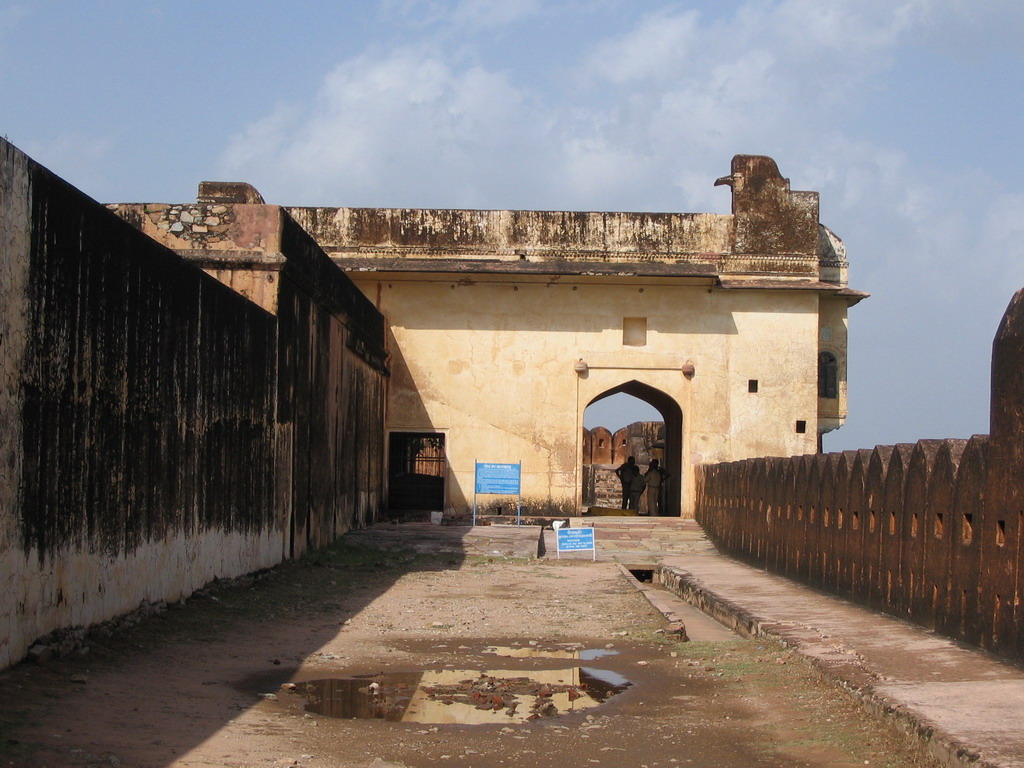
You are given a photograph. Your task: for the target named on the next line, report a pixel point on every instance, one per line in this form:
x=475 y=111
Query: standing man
x=655 y=480
x=627 y=473
x=636 y=489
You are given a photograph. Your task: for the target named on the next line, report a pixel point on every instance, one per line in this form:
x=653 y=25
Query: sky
x=905 y=115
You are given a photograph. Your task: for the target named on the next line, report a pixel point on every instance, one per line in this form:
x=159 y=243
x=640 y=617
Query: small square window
x=752 y=385
x=801 y=427
x=634 y=331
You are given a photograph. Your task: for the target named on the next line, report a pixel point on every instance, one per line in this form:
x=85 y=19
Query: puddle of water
x=366 y=697
x=606 y=676
x=462 y=696
x=528 y=652
x=590 y=654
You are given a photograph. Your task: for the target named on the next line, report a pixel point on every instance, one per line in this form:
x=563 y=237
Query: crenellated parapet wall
x=929 y=532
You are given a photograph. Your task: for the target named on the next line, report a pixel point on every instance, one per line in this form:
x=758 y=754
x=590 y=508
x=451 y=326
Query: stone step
x=640 y=522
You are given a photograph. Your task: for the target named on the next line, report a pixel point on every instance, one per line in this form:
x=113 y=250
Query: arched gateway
x=672 y=417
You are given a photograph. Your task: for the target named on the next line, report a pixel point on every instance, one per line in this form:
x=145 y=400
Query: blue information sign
x=575 y=539
x=497 y=478
x=501 y=480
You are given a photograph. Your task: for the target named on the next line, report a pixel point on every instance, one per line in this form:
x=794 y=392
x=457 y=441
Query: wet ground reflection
x=564 y=652
x=452 y=696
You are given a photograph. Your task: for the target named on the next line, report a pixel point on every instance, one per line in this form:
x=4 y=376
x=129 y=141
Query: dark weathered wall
x=143 y=394
x=158 y=429
x=930 y=532
x=331 y=384
x=331 y=354
x=147 y=389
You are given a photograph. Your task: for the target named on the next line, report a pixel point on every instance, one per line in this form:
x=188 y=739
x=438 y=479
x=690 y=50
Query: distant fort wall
x=930 y=532
x=604 y=452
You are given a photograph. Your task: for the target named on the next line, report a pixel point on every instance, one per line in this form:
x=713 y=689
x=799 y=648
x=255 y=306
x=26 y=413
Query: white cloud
x=668 y=100
x=402 y=125
x=263 y=139
x=652 y=52
x=653 y=115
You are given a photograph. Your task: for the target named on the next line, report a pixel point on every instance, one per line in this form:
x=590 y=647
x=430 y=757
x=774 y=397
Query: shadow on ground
x=205 y=659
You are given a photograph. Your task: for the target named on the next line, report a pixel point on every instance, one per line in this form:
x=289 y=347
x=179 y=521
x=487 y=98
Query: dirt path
x=225 y=679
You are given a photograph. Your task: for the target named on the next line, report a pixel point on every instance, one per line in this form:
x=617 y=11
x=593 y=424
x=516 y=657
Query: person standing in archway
x=655 y=481
x=627 y=473
x=636 y=490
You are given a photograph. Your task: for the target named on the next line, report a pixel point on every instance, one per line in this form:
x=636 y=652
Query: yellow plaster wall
x=832 y=337
x=491 y=365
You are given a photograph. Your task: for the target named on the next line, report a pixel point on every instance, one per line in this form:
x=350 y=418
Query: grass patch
x=823 y=721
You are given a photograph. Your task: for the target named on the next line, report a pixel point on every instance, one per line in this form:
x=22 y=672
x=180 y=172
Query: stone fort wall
x=155 y=431
x=931 y=532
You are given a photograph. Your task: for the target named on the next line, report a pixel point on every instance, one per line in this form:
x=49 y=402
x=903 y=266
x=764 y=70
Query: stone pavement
x=454 y=540
x=964 y=705
x=636 y=540
x=629 y=540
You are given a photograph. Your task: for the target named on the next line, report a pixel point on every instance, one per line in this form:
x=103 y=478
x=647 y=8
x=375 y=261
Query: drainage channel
x=687 y=620
x=643 y=575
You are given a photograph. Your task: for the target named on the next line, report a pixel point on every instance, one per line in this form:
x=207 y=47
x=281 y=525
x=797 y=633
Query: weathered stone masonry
x=330 y=351
x=503 y=326
x=930 y=532
x=157 y=429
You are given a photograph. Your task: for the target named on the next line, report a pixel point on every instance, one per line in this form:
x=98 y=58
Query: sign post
x=499 y=479
x=573 y=540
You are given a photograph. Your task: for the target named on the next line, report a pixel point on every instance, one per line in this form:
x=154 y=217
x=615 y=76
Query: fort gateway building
x=503 y=326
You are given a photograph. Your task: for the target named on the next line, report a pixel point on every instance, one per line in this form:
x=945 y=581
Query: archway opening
x=632 y=419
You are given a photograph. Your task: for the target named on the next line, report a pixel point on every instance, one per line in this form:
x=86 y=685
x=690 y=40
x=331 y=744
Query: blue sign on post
x=574 y=540
x=499 y=479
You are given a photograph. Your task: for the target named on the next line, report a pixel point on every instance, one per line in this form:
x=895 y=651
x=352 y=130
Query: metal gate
x=417 y=469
